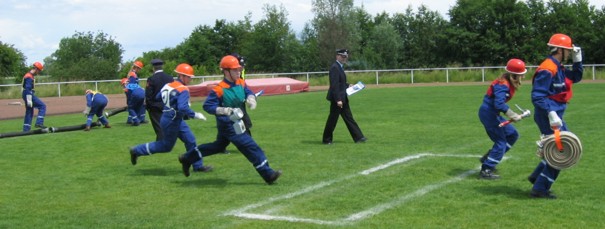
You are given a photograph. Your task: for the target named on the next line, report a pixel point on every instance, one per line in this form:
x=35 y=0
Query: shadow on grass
x=213 y=182
x=151 y=172
x=512 y=192
x=318 y=142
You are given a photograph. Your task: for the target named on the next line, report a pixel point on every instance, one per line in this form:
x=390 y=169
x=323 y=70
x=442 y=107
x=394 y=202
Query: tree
x=207 y=45
x=86 y=56
x=423 y=38
x=12 y=62
x=488 y=32
x=271 y=46
x=336 y=28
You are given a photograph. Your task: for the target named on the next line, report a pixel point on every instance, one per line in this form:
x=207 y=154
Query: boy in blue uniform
x=135 y=96
x=175 y=96
x=225 y=102
x=31 y=100
x=550 y=94
x=95 y=104
x=498 y=94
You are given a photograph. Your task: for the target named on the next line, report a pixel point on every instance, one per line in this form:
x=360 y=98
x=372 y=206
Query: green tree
x=423 y=38
x=309 y=52
x=488 y=32
x=12 y=62
x=272 y=45
x=86 y=56
x=336 y=28
x=207 y=45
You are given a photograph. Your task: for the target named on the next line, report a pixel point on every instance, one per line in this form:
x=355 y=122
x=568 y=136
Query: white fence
x=308 y=75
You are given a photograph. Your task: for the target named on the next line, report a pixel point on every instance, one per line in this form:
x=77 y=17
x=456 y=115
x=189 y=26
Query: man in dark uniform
x=339 y=102
x=155 y=105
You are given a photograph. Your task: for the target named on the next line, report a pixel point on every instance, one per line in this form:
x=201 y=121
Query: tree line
x=477 y=33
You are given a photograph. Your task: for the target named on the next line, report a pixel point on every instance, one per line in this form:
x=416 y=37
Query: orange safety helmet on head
x=184 y=69
x=39 y=66
x=560 y=40
x=138 y=64
x=230 y=62
x=516 y=66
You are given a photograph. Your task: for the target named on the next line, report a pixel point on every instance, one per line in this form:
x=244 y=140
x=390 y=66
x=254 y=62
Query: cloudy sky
x=36 y=27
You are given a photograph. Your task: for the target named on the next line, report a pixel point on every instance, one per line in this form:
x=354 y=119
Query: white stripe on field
x=243 y=212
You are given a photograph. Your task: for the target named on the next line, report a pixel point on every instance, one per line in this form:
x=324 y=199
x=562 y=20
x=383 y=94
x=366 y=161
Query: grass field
x=418 y=170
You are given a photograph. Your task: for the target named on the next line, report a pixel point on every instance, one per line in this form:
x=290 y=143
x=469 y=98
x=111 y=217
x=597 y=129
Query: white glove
x=513 y=115
x=237 y=115
x=29 y=100
x=199 y=115
x=576 y=54
x=224 y=110
x=86 y=111
x=554 y=119
x=251 y=100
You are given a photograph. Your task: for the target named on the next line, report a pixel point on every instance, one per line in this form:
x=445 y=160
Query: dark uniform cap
x=344 y=52
x=155 y=62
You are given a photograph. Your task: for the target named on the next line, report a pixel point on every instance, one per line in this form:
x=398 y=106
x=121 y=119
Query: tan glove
x=86 y=111
x=251 y=100
x=576 y=54
x=29 y=100
x=554 y=119
x=224 y=110
x=513 y=115
x=199 y=115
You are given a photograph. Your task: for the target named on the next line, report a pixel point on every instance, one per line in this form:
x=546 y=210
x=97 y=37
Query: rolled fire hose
x=561 y=150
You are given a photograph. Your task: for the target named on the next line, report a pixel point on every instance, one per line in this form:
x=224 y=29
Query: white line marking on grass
x=243 y=212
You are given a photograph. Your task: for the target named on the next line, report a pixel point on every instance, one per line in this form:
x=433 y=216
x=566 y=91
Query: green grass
x=85 y=179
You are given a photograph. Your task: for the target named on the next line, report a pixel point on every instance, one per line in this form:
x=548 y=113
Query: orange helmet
x=124 y=81
x=39 y=66
x=516 y=66
x=138 y=64
x=230 y=62
x=560 y=40
x=184 y=69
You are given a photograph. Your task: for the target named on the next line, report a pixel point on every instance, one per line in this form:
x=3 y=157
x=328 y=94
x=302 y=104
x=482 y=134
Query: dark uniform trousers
x=153 y=104
x=347 y=116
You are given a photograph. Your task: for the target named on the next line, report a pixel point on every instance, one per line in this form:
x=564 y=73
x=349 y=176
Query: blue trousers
x=243 y=142
x=29 y=112
x=136 y=105
x=172 y=129
x=544 y=174
x=97 y=107
x=503 y=137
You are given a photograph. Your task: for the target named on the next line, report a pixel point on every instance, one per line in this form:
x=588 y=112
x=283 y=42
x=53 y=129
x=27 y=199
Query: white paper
x=355 y=88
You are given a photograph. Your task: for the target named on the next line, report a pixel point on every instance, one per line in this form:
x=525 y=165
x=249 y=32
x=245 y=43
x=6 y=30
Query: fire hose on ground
x=62 y=128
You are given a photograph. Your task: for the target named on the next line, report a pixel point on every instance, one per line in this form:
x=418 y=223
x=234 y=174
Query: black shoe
x=273 y=177
x=41 y=126
x=484 y=157
x=133 y=156
x=545 y=195
x=362 y=140
x=203 y=169
x=488 y=174
x=531 y=180
x=186 y=164
x=144 y=122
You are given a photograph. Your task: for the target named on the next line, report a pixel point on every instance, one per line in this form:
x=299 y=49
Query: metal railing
x=308 y=75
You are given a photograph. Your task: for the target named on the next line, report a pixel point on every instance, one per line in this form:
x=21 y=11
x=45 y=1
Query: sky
x=35 y=27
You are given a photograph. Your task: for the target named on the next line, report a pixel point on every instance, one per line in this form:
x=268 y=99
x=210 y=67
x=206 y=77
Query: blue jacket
x=175 y=96
x=552 y=84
